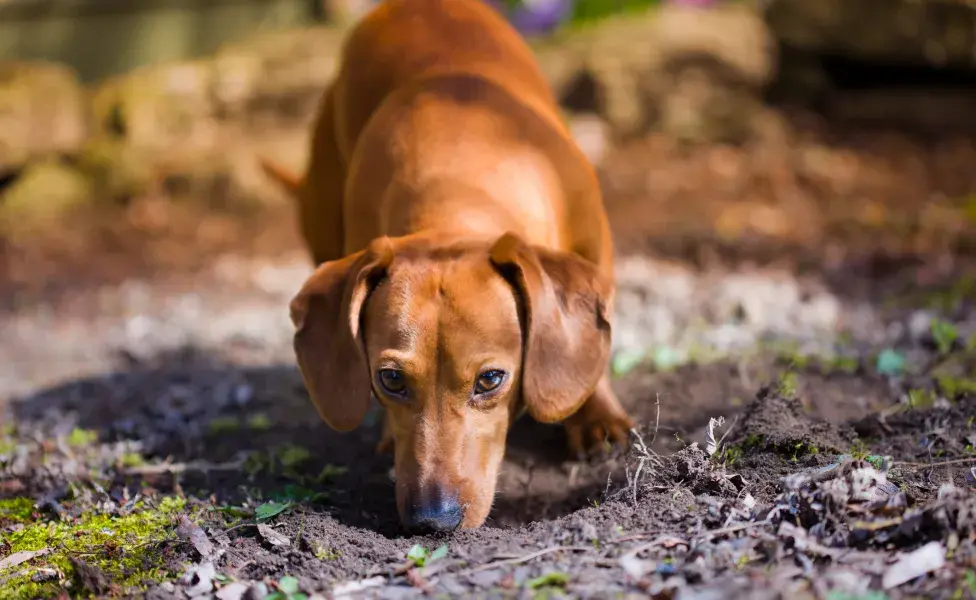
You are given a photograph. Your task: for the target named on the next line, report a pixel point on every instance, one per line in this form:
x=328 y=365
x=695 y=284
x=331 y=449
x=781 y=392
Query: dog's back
x=403 y=41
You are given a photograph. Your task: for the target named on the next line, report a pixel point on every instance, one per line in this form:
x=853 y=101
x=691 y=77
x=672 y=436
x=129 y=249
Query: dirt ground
x=842 y=464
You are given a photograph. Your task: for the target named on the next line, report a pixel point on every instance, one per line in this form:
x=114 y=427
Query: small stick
x=926 y=466
x=524 y=559
x=175 y=468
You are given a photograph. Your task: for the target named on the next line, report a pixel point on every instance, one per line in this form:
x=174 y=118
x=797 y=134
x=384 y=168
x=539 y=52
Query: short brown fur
x=459 y=231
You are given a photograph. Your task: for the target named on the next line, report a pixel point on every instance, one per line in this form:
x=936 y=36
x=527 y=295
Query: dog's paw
x=597 y=431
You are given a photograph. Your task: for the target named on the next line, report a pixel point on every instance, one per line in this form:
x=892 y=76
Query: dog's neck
x=455 y=212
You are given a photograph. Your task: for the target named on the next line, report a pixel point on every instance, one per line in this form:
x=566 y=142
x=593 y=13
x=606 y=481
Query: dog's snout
x=435 y=510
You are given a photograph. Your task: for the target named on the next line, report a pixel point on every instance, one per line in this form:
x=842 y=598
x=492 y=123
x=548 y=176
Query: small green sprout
x=259 y=422
x=551 y=579
x=82 y=437
x=944 y=334
x=421 y=556
x=221 y=425
x=287 y=590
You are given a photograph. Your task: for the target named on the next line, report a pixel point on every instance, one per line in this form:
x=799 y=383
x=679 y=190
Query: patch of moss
x=954 y=387
x=259 y=422
x=788 y=384
x=16 y=510
x=82 y=437
x=292 y=456
x=124 y=548
x=132 y=459
x=919 y=398
x=223 y=425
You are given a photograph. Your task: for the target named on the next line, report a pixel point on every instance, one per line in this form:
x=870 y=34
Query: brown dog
x=465 y=261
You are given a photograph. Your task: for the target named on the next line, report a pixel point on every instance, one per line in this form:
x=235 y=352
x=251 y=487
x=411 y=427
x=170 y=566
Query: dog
x=464 y=258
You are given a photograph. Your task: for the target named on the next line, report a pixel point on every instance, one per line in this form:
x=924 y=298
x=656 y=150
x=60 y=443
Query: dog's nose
x=434 y=511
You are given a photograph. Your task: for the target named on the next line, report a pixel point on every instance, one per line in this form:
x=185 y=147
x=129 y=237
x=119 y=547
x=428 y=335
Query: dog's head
x=454 y=341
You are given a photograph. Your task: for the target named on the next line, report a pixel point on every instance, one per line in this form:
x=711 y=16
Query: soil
x=827 y=470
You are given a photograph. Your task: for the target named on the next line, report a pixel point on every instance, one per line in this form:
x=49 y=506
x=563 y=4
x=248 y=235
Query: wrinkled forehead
x=454 y=305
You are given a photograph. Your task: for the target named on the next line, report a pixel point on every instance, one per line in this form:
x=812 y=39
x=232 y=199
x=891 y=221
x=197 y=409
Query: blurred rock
x=42 y=111
x=693 y=72
x=40 y=198
x=192 y=128
x=347 y=12
x=936 y=32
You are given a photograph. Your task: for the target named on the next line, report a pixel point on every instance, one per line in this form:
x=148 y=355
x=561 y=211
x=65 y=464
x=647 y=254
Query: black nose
x=434 y=511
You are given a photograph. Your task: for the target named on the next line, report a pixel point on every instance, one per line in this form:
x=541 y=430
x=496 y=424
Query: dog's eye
x=393 y=381
x=489 y=381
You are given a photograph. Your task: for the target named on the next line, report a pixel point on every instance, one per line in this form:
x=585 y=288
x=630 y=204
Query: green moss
x=132 y=459
x=945 y=335
x=954 y=387
x=259 y=422
x=919 y=398
x=788 y=383
x=223 y=425
x=82 y=437
x=292 y=456
x=122 y=547
x=16 y=510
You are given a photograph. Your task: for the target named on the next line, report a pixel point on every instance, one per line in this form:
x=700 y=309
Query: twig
x=735 y=420
x=663 y=539
x=735 y=528
x=946 y=463
x=201 y=466
x=524 y=559
x=657 y=418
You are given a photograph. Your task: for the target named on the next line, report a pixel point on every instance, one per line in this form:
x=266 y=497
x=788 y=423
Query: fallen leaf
x=635 y=567
x=352 y=587
x=232 y=591
x=269 y=510
x=273 y=537
x=199 y=578
x=926 y=559
x=21 y=557
x=711 y=445
x=193 y=533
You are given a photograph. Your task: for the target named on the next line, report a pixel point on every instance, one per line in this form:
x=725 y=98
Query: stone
x=41 y=197
x=42 y=112
x=936 y=32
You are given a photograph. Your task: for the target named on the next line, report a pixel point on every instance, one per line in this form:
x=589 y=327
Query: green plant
x=422 y=556
x=270 y=510
x=551 y=579
x=287 y=590
x=944 y=334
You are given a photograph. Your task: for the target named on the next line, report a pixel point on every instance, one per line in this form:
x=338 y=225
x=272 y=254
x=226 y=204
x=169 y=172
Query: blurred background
x=822 y=137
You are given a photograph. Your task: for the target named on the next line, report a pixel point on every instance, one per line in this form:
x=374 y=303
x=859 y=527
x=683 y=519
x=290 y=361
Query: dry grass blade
x=524 y=559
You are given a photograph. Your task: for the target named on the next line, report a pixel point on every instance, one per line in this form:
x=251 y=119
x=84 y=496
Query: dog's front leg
x=600 y=419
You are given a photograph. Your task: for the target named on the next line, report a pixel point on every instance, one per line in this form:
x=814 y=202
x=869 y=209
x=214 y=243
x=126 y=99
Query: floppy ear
x=567 y=331
x=328 y=344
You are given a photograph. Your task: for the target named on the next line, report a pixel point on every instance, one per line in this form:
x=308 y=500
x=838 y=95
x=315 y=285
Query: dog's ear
x=328 y=342
x=567 y=309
